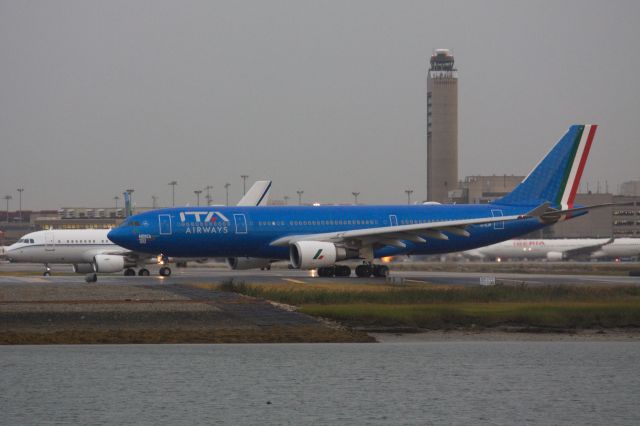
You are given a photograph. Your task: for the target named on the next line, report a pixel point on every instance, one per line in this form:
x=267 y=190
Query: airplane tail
x=556 y=178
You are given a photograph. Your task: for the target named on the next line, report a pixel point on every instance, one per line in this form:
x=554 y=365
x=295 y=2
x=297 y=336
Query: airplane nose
x=120 y=237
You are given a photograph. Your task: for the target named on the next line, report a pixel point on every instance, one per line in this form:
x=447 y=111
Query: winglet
x=257 y=195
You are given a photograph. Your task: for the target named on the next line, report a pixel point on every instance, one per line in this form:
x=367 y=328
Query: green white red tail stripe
x=578 y=159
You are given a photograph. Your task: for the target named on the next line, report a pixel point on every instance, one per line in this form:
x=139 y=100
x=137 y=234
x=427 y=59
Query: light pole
x=408 y=192
x=154 y=199
x=173 y=184
x=226 y=188
x=355 y=197
x=20 y=191
x=7 y=197
x=300 y=192
x=198 y=192
x=244 y=184
x=208 y=196
x=286 y=200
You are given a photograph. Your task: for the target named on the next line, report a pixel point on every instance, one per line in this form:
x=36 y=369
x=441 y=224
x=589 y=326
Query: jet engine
x=555 y=256
x=106 y=263
x=317 y=254
x=239 y=263
x=83 y=268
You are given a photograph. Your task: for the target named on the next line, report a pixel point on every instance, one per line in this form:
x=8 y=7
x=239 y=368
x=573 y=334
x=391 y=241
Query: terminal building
x=442 y=126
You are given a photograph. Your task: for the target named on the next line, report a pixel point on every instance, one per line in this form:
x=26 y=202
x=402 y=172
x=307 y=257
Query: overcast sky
x=329 y=97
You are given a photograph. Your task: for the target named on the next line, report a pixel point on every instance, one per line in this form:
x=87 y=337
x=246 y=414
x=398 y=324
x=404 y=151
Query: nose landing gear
x=47 y=270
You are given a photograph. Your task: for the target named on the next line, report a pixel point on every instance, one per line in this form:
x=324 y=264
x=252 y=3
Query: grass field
x=442 y=307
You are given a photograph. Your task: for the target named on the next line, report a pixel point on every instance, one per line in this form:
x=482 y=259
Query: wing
x=129 y=255
x=395 y=235
x=587 y=249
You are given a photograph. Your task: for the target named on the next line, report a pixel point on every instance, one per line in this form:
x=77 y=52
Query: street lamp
x=355 y=196
x=208 y=196
x=154 y=199
x=408 y=192
x=286 y=199
x=244 y=184
x=20 y=191
x=198 y=192
x=226 y=188
x=7 y=197
x=300 y=192
x=173 y=184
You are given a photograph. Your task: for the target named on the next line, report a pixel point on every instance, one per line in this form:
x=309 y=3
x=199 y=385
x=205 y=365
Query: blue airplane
x=317 y=237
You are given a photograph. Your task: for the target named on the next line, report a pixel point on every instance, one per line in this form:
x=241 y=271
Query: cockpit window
x=130 y=222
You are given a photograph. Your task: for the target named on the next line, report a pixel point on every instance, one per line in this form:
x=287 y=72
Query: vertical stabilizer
x=556 y=178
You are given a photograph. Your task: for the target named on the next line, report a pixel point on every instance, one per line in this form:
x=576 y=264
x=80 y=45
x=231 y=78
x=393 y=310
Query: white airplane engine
x=555 y=256
x=83 y=268
x=317 y=254
x=105 y=263
x=240 y=263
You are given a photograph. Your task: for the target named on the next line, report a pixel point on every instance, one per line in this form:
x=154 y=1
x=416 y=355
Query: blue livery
x=321 y=236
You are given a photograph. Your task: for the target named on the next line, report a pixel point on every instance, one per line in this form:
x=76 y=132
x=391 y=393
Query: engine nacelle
x=239 y=263
x=107 y=263
x=83 y=268
x=555 y=256
x=317 y=254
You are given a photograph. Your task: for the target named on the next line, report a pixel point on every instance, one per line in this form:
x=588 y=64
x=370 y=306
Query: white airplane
x=620 y=247
x=559 y=249
x=91 y=252
x=88 y=250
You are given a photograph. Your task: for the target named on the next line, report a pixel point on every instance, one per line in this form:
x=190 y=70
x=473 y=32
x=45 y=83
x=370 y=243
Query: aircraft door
x=165 y=224
x=49 y=242
x=497 y=213
x=393 y=220
x=241 y=223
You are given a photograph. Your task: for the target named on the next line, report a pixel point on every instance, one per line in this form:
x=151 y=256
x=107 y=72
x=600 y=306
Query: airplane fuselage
x=60 y=246
x=249 y=231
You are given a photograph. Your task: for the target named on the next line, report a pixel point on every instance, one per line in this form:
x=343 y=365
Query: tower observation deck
x=442 y=126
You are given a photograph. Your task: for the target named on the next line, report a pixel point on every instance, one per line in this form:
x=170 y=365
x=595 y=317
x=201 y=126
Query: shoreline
x=504 y=335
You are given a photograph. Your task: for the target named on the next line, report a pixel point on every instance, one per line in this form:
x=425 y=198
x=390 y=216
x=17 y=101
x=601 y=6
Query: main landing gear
x=368 y=269
x=362 y=271
x=164 y=271
x=91 y=278
x=334 y=271
x=47 y=270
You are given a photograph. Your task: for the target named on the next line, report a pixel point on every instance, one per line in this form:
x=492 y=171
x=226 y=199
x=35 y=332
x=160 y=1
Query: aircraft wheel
x=47 y=273
x=380 y=271
x=143 y=272
x=165 y=271
x=91 y=278
x=129 y=272
x=363 y=271
x=327 y=271
x=343 y=271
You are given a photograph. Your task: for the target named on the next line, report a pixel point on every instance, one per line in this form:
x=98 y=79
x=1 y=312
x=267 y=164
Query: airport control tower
x=442 y=126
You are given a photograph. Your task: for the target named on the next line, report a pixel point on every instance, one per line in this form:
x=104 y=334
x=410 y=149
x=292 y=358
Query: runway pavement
x=23 y=273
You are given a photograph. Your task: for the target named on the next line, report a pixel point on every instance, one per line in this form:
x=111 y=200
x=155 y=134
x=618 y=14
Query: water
x=402 y=383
